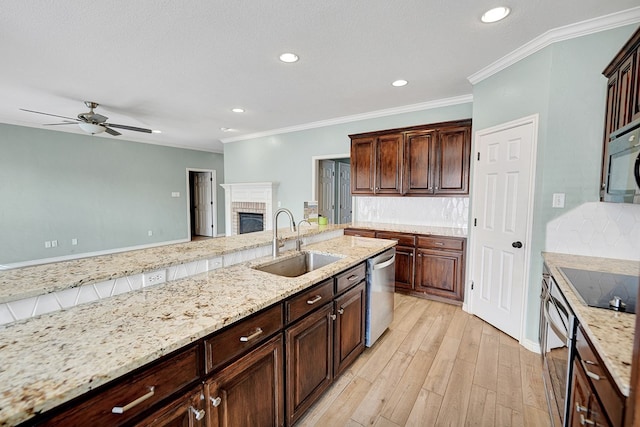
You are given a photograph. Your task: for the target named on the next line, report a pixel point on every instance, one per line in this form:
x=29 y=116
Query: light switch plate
x=558 y=200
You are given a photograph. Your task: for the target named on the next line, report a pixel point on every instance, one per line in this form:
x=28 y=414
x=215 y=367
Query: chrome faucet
x=298 y=240
x=277 y=244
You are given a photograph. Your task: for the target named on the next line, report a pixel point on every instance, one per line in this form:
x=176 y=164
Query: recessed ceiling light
x=156 y=131
x=238 y=110
x=495 y=14
x=227 y=129
x=399 y=83
x=289 y=57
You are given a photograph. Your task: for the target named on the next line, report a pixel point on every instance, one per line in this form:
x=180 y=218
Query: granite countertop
x=413 y=229
x=50 y=359
x=41 y=279
x=610 y=332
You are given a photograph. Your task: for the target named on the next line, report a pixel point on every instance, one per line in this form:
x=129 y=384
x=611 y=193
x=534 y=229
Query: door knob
x=517 y=245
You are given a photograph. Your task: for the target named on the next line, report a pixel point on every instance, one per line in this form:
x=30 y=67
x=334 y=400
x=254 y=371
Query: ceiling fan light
x=91 y=128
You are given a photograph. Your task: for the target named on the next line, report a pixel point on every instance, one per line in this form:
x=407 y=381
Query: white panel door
x=203 y=203
x=326 y=189
x=503 y=187
x=344 y=193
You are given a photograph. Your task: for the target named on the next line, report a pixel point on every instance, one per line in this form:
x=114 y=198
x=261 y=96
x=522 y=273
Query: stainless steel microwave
x=622 y=174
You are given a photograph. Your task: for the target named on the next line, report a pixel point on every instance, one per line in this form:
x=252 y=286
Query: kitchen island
x=55 y=357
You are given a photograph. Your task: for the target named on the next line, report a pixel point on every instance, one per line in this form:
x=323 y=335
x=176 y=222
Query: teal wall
x=106 y=192
x=563 y=83
x=286 y=158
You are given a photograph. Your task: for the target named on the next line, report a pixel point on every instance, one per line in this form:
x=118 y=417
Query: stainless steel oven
x=558 y=327
x=622 y=165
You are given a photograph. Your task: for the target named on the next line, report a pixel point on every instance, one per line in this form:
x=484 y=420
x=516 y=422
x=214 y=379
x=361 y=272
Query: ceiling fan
x=92 y=122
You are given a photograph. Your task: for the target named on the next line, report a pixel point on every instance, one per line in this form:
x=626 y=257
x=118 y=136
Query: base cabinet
x=309 y=350
x=349 y=329
x=439 y=273
x=586 y=410
x=187 y=411
x=250 y=391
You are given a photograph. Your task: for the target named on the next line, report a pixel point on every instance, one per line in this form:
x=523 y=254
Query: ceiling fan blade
x=57 y=124
x=48 y=114
x=128 y=127
x=111 y=131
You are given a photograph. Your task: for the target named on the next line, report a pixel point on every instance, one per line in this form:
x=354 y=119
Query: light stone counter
x=610 y=332
x=412 y=229
x=55 y=357
x=41 y=279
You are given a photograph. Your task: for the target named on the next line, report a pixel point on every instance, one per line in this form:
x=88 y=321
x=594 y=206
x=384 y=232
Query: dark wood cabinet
x=405 y=258
x=186 y=411
x=250 y=391
x=439 y=273
x=623 y=93
x=309 y=354
x=359 y=232
x=363 y=155
x=349 y=327
x=586 y=409
x=422 y=160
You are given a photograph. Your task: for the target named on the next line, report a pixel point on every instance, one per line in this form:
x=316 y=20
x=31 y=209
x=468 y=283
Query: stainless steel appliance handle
x=384 y=264
x=636 y=170
x=561 y=332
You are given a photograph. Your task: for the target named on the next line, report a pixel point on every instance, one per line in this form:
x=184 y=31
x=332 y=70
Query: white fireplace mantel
x=252 y=192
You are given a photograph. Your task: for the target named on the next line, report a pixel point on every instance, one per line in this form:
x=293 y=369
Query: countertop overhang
x=51 y=359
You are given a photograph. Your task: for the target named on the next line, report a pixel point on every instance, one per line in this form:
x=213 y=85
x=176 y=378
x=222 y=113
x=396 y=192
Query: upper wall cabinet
x=428 y=160
x=623 y=89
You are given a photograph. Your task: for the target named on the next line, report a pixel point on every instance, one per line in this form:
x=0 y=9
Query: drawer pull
x=198 y=413
x=314 y=299
x=580 y=408
x=257 y=333
x=215 y=401
x=585 y=421
x=353 y=277
x=123 y=409
x=592 y=375
x=440 y=243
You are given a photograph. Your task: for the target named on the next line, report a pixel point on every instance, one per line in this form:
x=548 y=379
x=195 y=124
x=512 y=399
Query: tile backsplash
x=610 y=230
x=434 y=211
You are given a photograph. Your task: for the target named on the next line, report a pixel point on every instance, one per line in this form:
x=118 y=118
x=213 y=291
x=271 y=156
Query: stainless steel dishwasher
x=380 y=287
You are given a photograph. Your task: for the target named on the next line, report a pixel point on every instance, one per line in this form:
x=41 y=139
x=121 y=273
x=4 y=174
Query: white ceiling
x=180 y=66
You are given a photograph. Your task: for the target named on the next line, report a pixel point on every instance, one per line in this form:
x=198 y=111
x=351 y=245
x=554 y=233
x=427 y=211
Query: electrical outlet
x=175 y=194
x=54 y=243
x=47 y=244
x=155 y=277
x=74 y=242
x=150 y=233
x=558 y=200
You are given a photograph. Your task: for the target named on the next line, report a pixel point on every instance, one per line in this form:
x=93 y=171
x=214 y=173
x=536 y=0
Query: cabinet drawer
x=440 y=243
x=600 y=378
x=351 y=277
x=241 y=337
x=128 y=398
x=308 y=301
x=403 y=239
x=358 y=232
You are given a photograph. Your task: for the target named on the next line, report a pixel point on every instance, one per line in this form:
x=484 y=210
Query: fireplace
x=249 y=222
x=248 y=197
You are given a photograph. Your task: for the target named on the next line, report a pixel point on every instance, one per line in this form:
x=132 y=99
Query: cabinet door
x=389 y=159
x=419 y=162
x=439 y=273
x=635 y=104
x=452 y=161
x=349 y=328
x=625 y=91
x=405 y=258
x=309 y=347
x=250 y=391
x=363 y=156
x=187 y=411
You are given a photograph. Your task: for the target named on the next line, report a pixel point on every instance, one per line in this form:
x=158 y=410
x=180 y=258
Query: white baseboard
x=530 y=345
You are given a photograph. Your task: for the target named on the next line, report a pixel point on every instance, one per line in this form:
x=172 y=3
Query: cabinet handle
x=580 y=408
x=257 y=333
x=410 y=253
x=198 y=413
x=585 y=421
x=215 y=401
x=314 y=299
x=590 y=374
x=334 y=317
x=353 y=277
x=341 y=310
x=436 y=187
x=123 y=409
x=440 y=243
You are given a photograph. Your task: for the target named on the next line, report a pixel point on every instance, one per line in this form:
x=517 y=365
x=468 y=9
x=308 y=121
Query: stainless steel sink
x=300 y=264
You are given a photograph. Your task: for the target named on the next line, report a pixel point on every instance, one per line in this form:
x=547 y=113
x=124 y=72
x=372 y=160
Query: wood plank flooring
x=436 y=366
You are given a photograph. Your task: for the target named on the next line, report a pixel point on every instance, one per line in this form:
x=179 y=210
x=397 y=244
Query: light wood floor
x=436 y=366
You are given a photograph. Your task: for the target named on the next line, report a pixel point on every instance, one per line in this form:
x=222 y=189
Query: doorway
x=331 y=187
x=201 y=203
x=501 y=230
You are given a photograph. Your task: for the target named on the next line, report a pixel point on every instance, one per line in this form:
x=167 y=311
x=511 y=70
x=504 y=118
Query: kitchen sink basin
x=300 y=264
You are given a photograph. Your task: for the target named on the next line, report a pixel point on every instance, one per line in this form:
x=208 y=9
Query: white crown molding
x=579 y=29
x=463 y=99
